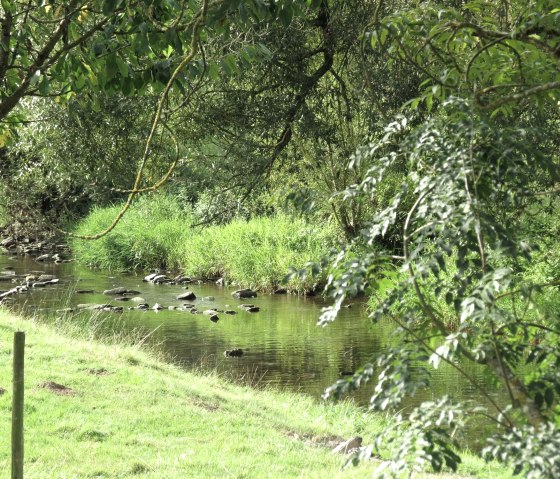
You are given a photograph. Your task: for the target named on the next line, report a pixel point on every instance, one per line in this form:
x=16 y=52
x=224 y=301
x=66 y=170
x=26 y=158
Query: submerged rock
x=250 y=308
x=120 y=291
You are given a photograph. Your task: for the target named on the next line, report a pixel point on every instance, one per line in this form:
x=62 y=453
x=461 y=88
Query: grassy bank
x=157 y=233
x=127 y=415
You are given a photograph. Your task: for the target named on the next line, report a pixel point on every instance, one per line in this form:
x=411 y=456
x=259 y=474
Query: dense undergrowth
x=157 y=233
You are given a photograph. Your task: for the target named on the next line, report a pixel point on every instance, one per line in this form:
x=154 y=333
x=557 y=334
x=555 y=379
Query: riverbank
x=123 y=413
x=157 y=233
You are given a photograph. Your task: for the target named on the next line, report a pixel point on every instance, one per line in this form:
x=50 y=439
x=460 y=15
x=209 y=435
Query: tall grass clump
x=157 y=233
x=258 y=252
x=148 y=236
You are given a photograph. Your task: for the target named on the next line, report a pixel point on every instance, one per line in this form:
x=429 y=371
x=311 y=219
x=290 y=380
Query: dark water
x=282 y=345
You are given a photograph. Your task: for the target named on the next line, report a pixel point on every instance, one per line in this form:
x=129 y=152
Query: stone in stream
x=43 y=257
x=230 y=311
x=214 y=318
x=157 y=307
x=180 y=279
x=150 y=277
x=161 y=278
x=45 y=277
x=6 y=243
x=250 y=308
x=209 y=312
x=42 y=282
x=122 y=298
x=143 y=306
x=93 y=306
x=233 y=353
x=7 y=277
x=157 y=278
x=188 y=295
x=120 y=291
x=137 y=299
x=244 y=293
x=65 y=310
x=188 y=305
x=85 y=291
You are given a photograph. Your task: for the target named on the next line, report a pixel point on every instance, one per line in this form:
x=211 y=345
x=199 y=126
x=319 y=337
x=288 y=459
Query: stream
x=282 y=345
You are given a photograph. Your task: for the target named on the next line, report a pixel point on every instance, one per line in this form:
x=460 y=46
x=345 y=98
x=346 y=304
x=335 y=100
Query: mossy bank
x=157 y=232
x=127 y=415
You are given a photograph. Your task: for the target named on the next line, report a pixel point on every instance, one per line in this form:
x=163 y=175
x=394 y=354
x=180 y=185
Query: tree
x=113 y=46
x=482 y=175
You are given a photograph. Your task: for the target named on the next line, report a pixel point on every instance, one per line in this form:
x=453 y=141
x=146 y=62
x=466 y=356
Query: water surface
x=283 y=347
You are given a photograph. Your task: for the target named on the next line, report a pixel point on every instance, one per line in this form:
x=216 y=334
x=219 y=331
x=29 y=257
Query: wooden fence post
x=17 y=406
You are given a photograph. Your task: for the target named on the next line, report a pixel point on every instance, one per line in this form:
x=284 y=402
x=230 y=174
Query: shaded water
x=282 y=345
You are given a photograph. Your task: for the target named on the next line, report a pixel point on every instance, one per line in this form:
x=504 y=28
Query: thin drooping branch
x=197 y=24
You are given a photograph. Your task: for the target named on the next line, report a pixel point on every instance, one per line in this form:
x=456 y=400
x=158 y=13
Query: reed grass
x=158 y=233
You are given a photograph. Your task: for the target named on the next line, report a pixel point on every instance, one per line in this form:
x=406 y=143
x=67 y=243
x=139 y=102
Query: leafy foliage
x=475 y=188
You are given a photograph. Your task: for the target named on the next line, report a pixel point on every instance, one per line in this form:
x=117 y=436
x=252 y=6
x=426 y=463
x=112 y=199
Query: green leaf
x=109 y=6
x=122 y=66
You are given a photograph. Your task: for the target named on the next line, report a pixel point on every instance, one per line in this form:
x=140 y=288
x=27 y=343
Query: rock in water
x=244 y=293
x=233 y=353
x=188 y=295
x=120 y=291
x=115 y=291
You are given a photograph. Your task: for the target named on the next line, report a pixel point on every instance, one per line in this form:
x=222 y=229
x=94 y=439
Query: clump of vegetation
x=158 y=232
x=149 y=236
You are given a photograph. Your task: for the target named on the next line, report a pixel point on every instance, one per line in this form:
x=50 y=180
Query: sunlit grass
x=157 y=233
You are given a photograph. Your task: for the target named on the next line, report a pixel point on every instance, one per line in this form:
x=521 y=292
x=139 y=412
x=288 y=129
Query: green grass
x=132 y=416
x=157 y=233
